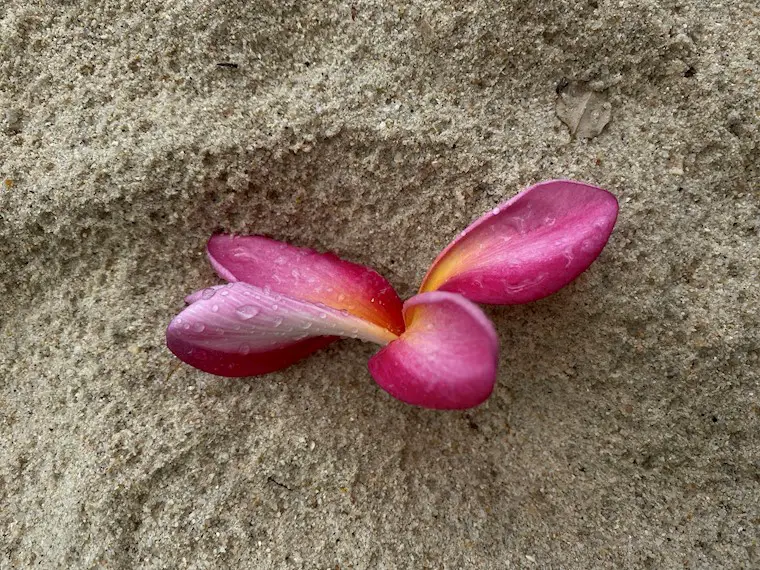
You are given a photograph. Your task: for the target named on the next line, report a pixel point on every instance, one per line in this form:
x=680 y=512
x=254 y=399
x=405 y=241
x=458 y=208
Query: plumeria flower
x=282 y=302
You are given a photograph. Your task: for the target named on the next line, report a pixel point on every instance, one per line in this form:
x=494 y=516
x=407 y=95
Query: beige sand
x=625 y=430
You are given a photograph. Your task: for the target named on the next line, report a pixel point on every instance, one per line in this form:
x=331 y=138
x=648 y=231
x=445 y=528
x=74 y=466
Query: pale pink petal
x=307 y=275
x=447 y=357
x=529 y=247
x=206 y=293
x=241 y=330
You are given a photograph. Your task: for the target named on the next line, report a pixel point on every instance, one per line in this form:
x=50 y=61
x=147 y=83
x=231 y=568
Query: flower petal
x=447 y=357
x=529 y=247
x=308 y=275
x=242 y=330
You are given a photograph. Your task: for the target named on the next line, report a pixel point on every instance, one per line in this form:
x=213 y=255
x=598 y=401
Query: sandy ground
x=625 y=429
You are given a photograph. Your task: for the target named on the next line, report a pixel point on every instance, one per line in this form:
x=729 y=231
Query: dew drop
x=208 y=293
x=186 y=326
x=224 y=292
x=278 y=321
x=372 y=300
x=245 y=348
x=215 y=308
x=247 y=311
x=275 y=307
x=306 y=325
x=496 y=211
x=322 y=315
x=341 y=297
x=199 y=327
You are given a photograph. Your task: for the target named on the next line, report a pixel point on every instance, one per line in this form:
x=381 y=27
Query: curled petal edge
x=447 y=357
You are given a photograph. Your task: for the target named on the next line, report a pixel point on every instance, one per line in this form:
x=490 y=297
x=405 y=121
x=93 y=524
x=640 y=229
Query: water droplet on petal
x=306 y=325
x=247 y=311
x=199 y=327
x=278 y=321
x=496 y=211
x=322 y=315
x=275 y=307
x=341 y=297
x=215 y=308
x=245 y=348
x=208 y=293
x=224 y=292
x=186 y=326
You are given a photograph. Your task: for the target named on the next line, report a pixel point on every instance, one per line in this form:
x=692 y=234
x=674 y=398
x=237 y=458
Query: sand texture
x=625 y=428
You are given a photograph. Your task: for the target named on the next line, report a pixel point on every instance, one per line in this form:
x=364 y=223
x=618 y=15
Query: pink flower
x=439 y=349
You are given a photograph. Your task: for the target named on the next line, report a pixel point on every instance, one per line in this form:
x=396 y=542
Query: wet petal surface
x=529 y=247
x=307 y=275
x=242 y=330
x=446 y=359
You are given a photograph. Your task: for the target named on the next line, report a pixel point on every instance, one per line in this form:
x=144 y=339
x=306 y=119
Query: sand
x=625 y=428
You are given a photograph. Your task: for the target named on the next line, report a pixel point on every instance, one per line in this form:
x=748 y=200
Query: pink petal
x=308 y=275
x=206 y=293
x=242 y=330
x=447 y=357
x=529 y=247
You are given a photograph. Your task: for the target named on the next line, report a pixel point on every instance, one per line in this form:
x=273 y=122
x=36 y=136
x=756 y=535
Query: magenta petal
x=242 y=330
x=529 y=247
x=237 y=364
x=308 y=275
x=447 y=357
